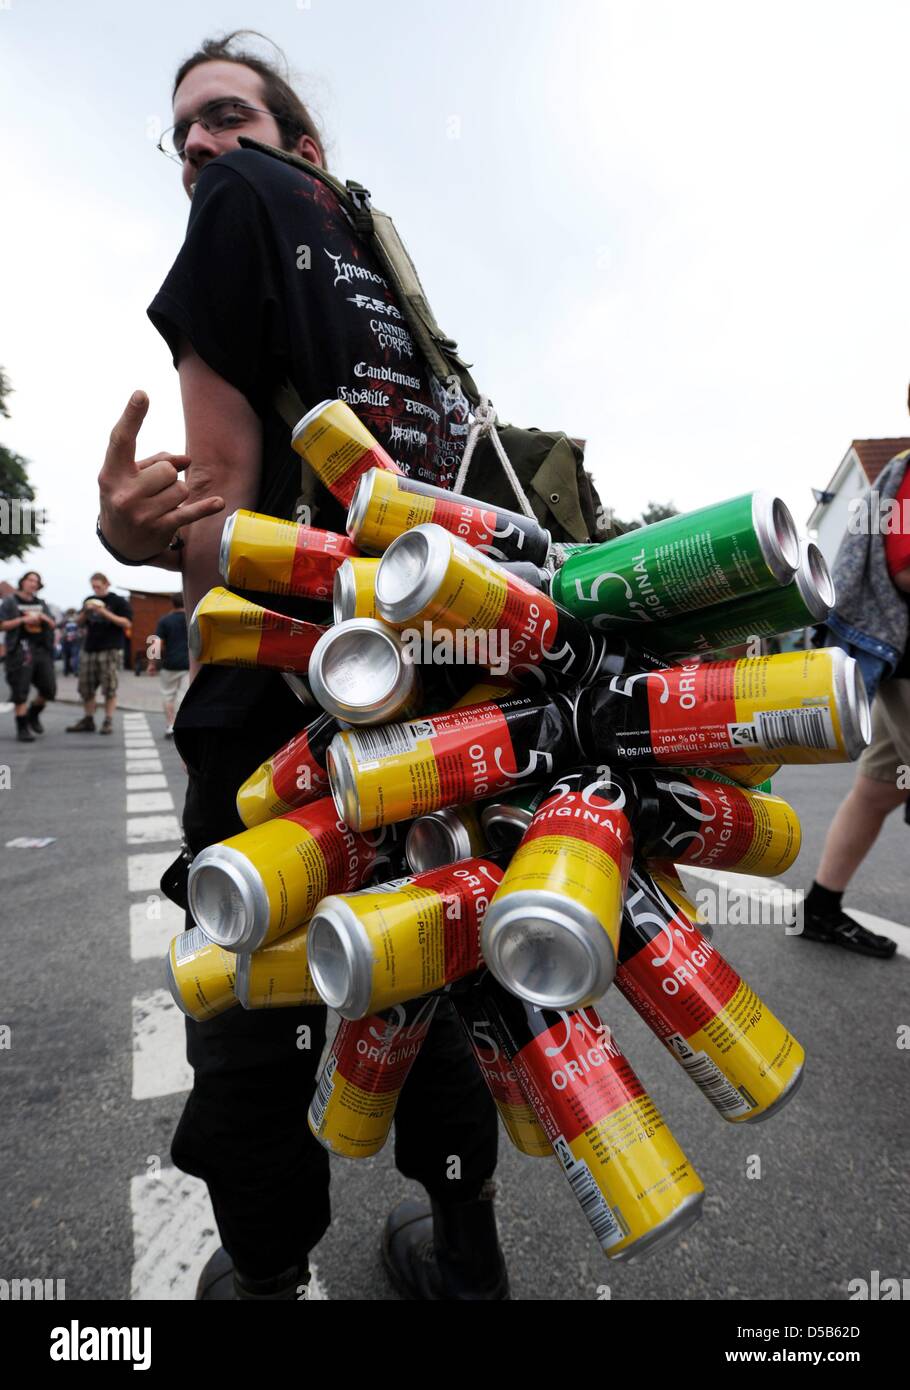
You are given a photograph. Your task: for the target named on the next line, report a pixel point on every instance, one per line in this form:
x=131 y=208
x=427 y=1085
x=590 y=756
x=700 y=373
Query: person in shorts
x=876 y=616
x=29 y=626
x=173 y=662
x=104 y=618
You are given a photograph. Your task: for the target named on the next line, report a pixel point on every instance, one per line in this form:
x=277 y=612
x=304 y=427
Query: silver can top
x=360 y=502
x=344 y=593
x=224 y=550
x=242 y=978
x=777 y=536
x=813 y=579
x=411 y=571
x=340 y=958
x=194 y=632
x=305 y=420
x=436 y=840
x=343 y=782
x=227 y=898
x=505 y=825
x=358 y=672
x=547 y=949
x=852 y=702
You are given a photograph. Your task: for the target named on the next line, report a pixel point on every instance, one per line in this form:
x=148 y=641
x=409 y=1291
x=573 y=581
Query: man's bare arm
x=224 y=442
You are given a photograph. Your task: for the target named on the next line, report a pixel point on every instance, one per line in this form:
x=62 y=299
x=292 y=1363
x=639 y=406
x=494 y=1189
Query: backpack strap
x=379 y=231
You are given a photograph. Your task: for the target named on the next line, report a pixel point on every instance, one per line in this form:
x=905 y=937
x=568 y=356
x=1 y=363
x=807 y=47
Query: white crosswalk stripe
x=159 y=1047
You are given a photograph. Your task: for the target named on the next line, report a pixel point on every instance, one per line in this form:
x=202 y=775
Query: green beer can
x=806 y=600
x=723 y=552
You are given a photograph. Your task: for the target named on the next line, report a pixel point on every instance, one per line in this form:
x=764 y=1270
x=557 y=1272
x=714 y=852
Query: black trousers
x=244 y=1128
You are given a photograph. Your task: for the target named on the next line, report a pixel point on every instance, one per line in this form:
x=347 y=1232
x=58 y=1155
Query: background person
x=872 y=620
x=71 y=642
x=174 y=661
x=104 y=618
x=29 y=626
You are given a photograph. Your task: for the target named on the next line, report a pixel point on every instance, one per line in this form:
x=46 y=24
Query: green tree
x=657 y=511
x=18 y=517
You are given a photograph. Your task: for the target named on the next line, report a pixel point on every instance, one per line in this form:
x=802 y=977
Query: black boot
x=446 y=1251
x=23 y=732
x=221 y=1282
x=34 y=718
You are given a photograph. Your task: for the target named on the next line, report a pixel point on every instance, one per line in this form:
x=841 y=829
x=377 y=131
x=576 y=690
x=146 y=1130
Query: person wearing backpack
x=273 y=283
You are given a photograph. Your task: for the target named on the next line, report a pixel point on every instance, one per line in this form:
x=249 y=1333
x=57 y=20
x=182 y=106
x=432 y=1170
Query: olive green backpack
x=538 y=472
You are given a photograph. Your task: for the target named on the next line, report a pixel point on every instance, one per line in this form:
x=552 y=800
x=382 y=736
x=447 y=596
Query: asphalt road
x=86 y=1189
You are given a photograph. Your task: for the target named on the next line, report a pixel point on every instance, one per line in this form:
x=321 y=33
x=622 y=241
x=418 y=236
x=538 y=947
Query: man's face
x=99 y=587
x=213 y=82
x=30 y=585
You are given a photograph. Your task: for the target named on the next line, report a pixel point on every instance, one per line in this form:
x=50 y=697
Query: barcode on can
x=589 y=1196
x=320 y=1101
x=709 y=1079
x=384 y=741
x=188 y=943
x=799 y=728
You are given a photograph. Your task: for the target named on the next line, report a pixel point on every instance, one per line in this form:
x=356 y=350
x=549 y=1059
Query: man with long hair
x=29 y=626
x=273 y=283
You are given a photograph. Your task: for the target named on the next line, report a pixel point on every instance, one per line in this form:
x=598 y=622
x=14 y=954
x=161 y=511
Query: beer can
x=354 y=592
x=359 y=673
x=386 y=506
x=353 y=1107
x=805 y=601
x=757 y=777
x=624 y=1166
x=739 y=1055
x=517 y=1115
x=279 y=557
x=278 y=975
x=505 y=819
x=685 y=819
x=443 y=837
x=670 y=883
x=551 y=932
x=395 y=772
x=339 y=448
x=732 y=548
x=798 y=707
x=227 y=630
x=290 y=778
x=257 y=885
x=385 y=945
x=200 y=976
x=482 y=692
x=427 y=576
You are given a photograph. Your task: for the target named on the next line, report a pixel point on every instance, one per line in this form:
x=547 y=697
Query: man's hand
x=901 y=580
x=143 y=502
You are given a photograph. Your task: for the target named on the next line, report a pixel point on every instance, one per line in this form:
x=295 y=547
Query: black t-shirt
x=273 y=283
x=17 y=638
x=172 y=629
x=101 y=635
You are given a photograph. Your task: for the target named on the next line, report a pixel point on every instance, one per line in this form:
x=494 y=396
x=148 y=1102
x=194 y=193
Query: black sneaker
x=23 y=732
x=34 y=719
x=107 y=727
x=220 y=1282
x=844 y=931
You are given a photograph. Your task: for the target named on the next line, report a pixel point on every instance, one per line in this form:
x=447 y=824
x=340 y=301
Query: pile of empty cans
x=505 y=760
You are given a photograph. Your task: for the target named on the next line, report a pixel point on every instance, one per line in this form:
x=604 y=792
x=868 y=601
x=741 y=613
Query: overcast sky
x=677 y=229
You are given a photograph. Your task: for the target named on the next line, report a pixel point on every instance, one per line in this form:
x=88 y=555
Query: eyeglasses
x=227 y=114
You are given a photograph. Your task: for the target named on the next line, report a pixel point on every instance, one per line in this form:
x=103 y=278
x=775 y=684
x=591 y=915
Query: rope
x=484 y=423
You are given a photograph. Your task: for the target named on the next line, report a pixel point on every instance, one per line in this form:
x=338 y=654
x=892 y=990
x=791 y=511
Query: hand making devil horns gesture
x=144 y=501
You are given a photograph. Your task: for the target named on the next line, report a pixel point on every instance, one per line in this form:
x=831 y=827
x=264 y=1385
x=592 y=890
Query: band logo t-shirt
x=273 y=283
